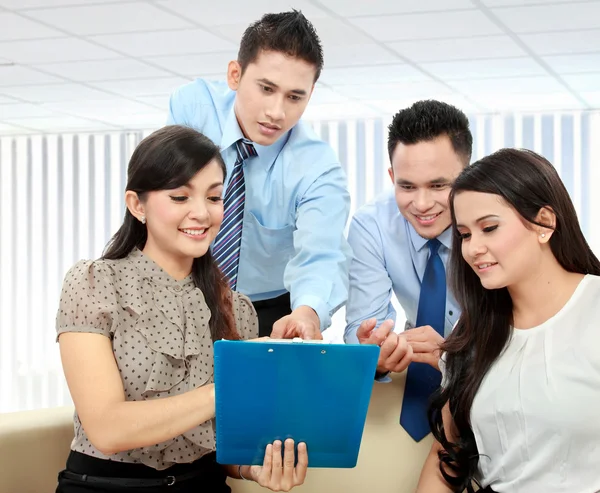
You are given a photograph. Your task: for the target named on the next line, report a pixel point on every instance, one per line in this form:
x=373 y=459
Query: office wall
x=61 y=198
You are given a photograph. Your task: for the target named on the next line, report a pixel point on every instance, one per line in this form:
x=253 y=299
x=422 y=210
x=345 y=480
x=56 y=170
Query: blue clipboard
x=313 y=392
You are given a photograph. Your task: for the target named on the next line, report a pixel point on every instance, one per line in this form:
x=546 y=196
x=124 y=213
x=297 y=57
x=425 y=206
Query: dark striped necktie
x=226 y=248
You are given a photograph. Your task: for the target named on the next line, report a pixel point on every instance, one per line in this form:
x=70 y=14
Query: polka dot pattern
x=160 y=337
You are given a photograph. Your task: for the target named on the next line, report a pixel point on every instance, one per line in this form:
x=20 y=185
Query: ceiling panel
x=65 y=123
x=339 y=111
x=33 y=4
x=165 y=42
x=421 y=89
x=55 y=92
x=13 y=75
x=427 y=26
x=504 y=3
x=475 y=69
x=392 y=106
x=16 y=27
x=573 y=64
x=529 y=102
x=554 y=17
x=196 y=64
x=358 y=54
x=23 y=110
x=386 y=7
x=236 y=12
x=439 y=50
x=567 y=42
x=508 y=85
x=110 y=18
x=53 y=50
x=124 y=68
x=141 y=87
x=583 y=82
x=326 y=95
x=372 y=75
x=6 y=129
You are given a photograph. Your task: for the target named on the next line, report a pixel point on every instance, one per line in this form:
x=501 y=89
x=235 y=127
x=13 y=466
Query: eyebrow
x=267 y=82
x=216 y=185
x=482 y=218
x=436 y=181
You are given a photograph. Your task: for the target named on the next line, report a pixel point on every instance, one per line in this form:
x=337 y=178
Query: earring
x=543 y=235
x=143 y=220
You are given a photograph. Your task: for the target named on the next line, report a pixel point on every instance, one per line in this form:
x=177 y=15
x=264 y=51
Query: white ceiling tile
x=236 y=12
x=110 y=18
x=372 y=75
x=427 y=26
x=358 y=54
x=15 y=74
x=53 y=50
x=194 y=65
x=54 y=92
x=6 y=100
x=501 y=3
x=508 y=85
x=438 y=50
x=583 y=82
x=325 y=95
x=141 y=120
x=142 y=87
x=567 y=42
x=338 y=111
x=60 y=124
x=113 y=110
x=421 y=89
x=573 y=64
x=336 y=32
x=165 y=42
x=231 y=32
x=529 y=102
x=125 y=68
x=592 y=98
x=386 y=7
x=502 y=67
x=392 y=106
x=558 y=17
x=34 y=4
x=159 y=102
x=16 y=27
x=6 y=129
x=23 y=110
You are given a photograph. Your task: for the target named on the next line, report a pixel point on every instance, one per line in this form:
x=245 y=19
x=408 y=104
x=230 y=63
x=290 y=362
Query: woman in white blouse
x=519 y=404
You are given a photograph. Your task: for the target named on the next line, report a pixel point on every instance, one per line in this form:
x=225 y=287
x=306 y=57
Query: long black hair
x=166 y=159
x=528 y=183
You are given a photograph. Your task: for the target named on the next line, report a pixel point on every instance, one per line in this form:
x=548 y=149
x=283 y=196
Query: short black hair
x=427 y=120
x=289 y=33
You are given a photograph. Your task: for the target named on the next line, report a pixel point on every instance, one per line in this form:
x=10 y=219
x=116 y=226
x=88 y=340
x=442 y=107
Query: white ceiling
x=77 y=65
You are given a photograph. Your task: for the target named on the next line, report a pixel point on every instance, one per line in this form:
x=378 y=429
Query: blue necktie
x=226 y=248
x=422 y=379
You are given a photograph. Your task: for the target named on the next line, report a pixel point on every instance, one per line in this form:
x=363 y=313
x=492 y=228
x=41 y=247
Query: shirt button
x=177 y=288
x=450 y=313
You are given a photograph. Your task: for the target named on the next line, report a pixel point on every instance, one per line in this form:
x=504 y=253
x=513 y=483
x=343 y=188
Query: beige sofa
x=34 y=446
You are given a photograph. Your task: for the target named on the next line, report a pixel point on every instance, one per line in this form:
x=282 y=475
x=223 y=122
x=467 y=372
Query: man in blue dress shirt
x=429 y=144
x=282 y=240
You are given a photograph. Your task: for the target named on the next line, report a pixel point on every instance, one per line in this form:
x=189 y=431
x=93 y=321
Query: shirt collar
x=232 y=133
x=150 y=270
x=419 y=242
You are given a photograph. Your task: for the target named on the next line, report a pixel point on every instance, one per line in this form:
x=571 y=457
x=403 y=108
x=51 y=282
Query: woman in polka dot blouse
x=136 y=331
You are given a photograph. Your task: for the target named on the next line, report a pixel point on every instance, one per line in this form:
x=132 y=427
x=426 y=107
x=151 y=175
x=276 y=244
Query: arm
x=431 y=479
x=317 y=275
x=370 y=290
x=111 y=423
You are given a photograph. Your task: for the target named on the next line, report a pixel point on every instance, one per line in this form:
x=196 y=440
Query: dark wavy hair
x=289 y=33
x=528 y=183
x=167 y=159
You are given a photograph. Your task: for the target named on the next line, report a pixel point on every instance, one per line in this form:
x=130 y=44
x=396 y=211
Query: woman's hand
x=278 y=475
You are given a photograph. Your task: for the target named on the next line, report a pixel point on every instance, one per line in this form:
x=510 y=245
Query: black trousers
x=107 y=476
x=269 y=311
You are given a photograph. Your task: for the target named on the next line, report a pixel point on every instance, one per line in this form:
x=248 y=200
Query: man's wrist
x=308 y=312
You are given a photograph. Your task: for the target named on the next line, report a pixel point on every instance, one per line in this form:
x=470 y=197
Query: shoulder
x=201 y=91
x=305 y=147
x=380 y=210
x=91 y=272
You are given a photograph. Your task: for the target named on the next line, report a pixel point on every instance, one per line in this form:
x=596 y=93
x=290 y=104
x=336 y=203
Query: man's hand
x=425 y=343
x=303 y=322
x=395 y=353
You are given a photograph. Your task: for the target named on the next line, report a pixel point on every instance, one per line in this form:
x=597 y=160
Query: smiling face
x=184 y=221
x=423 y=174
x=272 y=94
x=499 y=245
